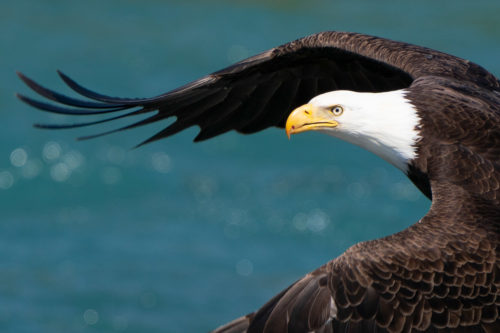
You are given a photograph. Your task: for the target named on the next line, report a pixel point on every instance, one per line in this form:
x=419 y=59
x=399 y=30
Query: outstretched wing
x=261 y=91
x=432 y=277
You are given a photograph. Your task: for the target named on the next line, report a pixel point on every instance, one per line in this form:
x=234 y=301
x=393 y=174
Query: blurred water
x=176 y=236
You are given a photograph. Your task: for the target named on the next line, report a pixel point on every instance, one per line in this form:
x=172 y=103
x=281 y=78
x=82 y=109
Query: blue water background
x=177 y=236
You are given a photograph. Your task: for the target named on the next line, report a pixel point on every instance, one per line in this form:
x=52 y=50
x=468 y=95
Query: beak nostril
x=307 y=112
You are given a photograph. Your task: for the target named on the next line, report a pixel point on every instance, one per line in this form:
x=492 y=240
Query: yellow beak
x=306 y=118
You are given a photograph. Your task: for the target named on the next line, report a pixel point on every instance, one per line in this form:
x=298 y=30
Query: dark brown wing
x=304 y=306
x=261 y=91
x=440 y=275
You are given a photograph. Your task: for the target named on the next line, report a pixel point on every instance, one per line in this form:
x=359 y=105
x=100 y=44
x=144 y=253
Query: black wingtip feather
x=49 y=126
x=101 y=121
x=60 y=98
x=84 y=91
x=60 y=126
x=20 y=74
x=66 y=111
x=172 y=129
x=103 y=98
x=106 y=104
x=145 y=121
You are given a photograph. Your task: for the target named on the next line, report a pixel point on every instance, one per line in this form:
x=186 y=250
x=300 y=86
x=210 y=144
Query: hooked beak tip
x=288 y=131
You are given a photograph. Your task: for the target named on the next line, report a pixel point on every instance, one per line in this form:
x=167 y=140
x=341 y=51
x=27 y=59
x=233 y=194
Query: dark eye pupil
x=337 y=110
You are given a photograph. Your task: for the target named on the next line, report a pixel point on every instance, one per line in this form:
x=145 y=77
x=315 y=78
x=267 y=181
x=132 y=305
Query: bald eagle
x=434 y=116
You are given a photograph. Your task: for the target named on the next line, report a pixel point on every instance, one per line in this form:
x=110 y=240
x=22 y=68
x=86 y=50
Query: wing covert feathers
x=441 y=274
x=413 y=281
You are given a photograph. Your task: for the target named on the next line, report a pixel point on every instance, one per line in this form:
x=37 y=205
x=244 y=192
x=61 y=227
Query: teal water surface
x=176 y=236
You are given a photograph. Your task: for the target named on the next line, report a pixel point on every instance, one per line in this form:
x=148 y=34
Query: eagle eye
x=337 y=110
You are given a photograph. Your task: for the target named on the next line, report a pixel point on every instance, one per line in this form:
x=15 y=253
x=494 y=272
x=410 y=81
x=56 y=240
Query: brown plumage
x=440 y=275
